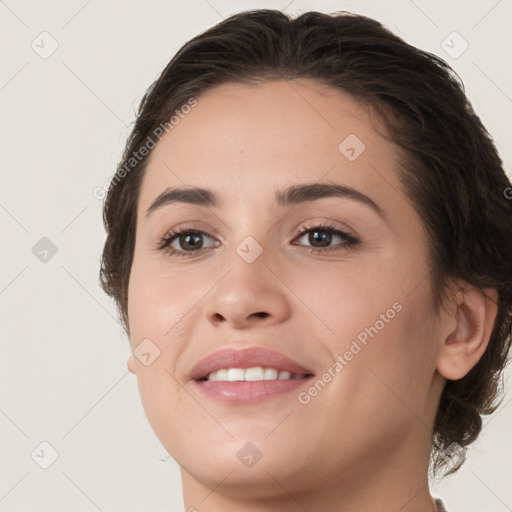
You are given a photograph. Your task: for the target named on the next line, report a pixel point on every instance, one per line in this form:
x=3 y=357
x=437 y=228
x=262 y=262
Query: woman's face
x=354 y=316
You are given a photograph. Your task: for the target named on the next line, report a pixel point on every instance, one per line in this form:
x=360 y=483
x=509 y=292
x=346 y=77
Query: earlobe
x=474 y=314
x=131 y=364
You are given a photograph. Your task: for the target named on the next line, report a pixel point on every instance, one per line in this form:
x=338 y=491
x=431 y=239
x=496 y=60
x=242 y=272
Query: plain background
x=65 y=119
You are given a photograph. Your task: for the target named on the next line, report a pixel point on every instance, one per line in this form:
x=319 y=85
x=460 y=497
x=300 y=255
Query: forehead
x=267 y=136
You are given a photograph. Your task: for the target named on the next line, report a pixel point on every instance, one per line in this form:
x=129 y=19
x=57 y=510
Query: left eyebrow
x=311 y=191
x=304 y=192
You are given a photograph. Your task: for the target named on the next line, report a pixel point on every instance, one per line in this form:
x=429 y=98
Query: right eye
x=190 y=240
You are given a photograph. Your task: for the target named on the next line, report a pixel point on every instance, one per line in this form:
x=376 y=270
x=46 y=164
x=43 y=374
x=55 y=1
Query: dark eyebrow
x=292 y=195
x=309 y=192
x=191 y=195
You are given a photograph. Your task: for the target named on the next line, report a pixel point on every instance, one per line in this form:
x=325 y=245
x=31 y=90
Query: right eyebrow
x=191 y=195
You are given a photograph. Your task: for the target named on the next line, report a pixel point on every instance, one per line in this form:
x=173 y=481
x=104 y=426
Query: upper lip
x=245 y=358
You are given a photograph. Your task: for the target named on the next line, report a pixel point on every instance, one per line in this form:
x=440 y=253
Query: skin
x=363 y=442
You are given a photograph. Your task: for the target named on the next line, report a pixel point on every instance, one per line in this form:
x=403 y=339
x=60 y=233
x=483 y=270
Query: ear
x=131 y=364
x=470 y=320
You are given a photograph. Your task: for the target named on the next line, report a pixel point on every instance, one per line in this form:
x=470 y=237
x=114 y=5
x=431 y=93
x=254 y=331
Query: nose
x=249 y=294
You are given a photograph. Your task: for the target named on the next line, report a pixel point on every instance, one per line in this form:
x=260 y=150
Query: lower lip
x=247 y=392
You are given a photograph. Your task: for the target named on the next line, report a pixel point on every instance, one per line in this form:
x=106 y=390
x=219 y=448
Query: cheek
x=362 y=298
x=158 y=300
x=381 y=394
x=392 y=373
x=384 y=335
x=154 y=308
x=161 y=309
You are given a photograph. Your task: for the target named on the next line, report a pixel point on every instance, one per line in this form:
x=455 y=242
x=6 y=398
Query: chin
x=263 y=480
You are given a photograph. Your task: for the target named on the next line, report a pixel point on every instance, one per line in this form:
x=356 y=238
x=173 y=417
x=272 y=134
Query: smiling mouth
x=250 y=386
x=248 y=375
x=253 y=374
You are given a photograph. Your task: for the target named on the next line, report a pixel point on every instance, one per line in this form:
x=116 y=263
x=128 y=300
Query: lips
x=246 y=358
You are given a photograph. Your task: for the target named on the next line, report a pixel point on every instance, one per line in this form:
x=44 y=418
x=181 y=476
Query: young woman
x=309 y=242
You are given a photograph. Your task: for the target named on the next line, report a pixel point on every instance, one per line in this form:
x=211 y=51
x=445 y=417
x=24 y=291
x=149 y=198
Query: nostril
x=262 y=314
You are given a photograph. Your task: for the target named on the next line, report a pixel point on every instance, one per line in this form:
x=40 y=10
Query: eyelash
x=164 y=243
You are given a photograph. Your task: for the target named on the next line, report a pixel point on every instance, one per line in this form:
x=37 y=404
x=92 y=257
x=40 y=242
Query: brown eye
x=190 y=241
x=183 y=242
x=321 y=237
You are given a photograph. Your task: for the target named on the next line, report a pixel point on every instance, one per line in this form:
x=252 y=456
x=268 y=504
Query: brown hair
x=451 y=170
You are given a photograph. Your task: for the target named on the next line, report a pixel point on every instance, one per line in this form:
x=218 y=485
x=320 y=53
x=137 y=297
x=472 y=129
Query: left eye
x=324 y=235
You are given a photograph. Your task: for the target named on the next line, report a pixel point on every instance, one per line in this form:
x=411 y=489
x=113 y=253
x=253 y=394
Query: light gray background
x=64 y=122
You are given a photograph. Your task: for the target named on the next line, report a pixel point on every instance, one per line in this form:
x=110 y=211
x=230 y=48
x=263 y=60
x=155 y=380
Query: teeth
x=270 y=374
x=222 y=374
x=255 y=373
x=251 y=374
x=235 y=374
